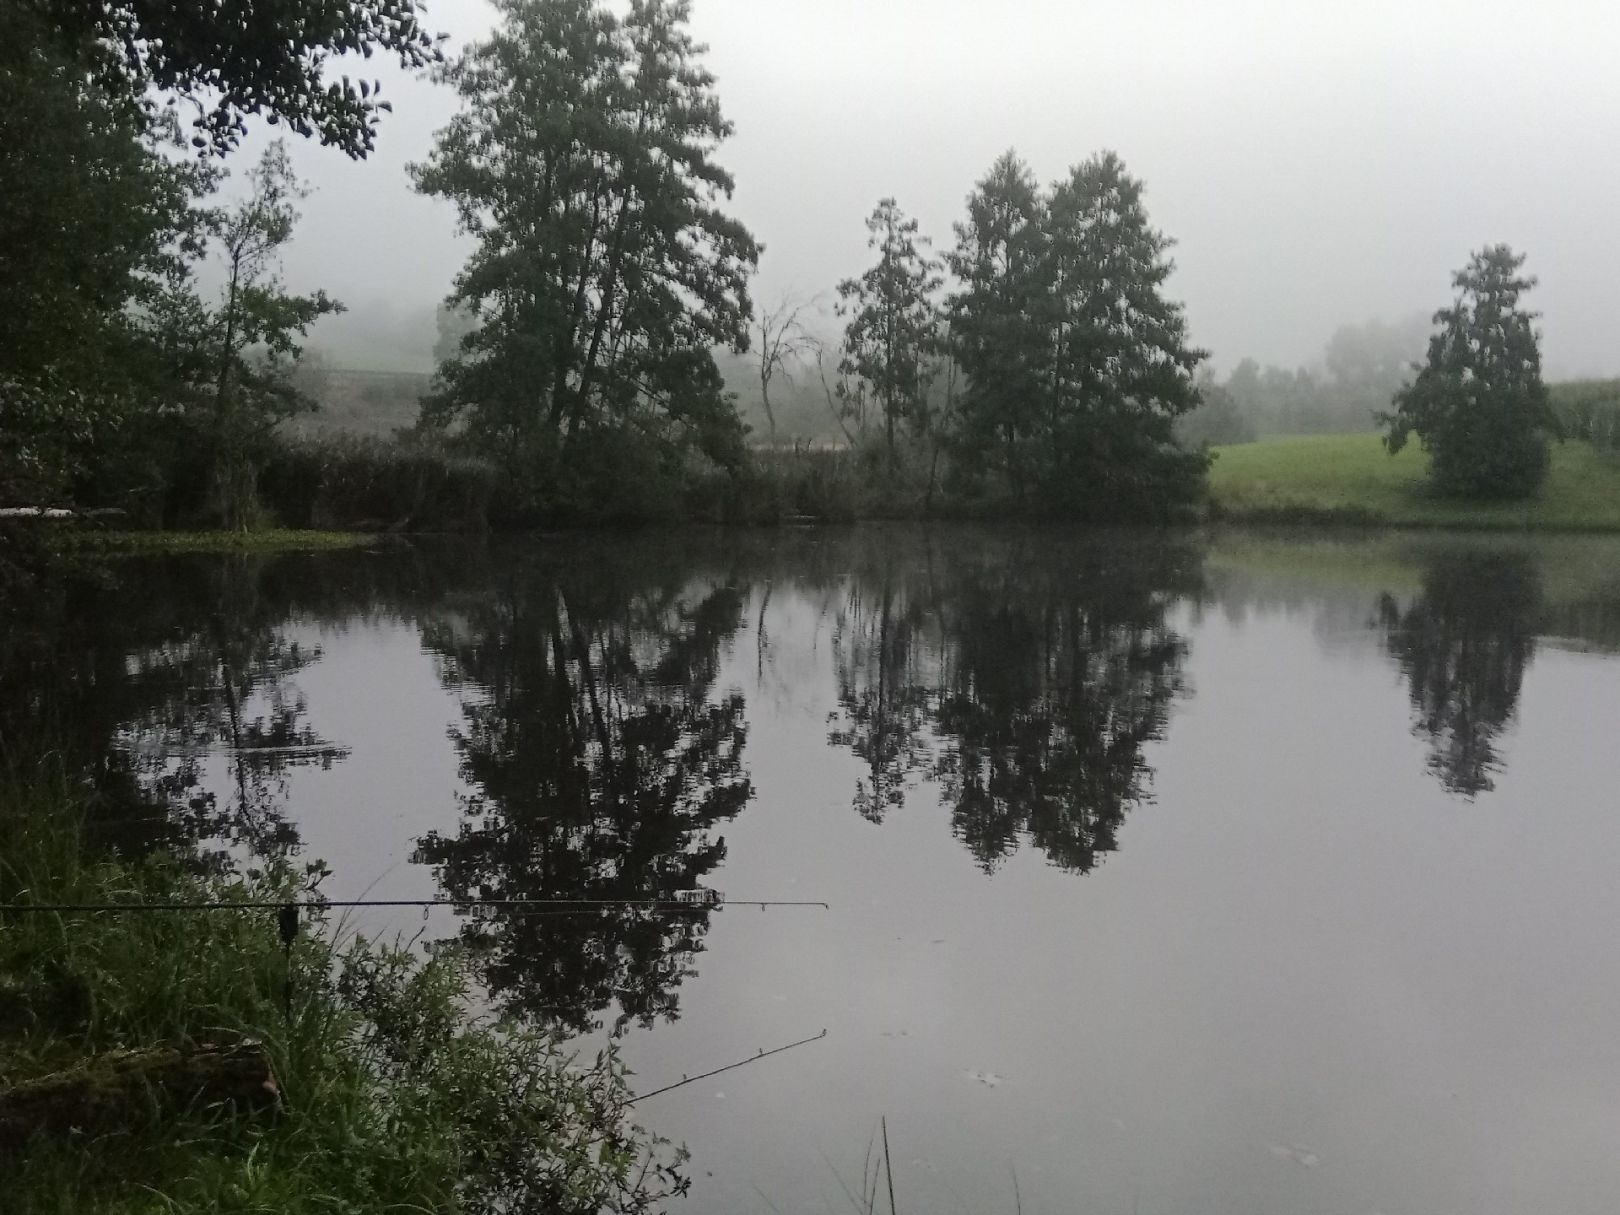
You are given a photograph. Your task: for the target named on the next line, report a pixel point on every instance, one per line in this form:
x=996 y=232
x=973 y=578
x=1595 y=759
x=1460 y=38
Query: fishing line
x=710 y=900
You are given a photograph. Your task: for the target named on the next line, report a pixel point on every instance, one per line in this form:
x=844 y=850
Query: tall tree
x=94 y=218
x=605 y=271
x=998 y=333
x=893 y=328
x=245 y=57
x=235 y=358
x=1122 y=370
x=1478 y=405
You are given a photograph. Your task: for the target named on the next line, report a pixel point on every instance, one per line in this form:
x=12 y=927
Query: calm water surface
x=1166 y=874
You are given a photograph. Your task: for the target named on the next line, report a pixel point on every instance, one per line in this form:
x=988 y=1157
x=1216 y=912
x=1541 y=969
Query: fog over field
x=1315 y=164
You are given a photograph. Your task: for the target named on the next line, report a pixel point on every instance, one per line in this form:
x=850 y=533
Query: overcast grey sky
x=1316 y=163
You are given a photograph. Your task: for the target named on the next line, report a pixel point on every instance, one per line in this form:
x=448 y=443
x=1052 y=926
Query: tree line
x=1036 y=365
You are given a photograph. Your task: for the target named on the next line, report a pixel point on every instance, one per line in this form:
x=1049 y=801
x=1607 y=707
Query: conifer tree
x=1478 y=405
x=893 y=330
x=998 y=318
x=1122 y=370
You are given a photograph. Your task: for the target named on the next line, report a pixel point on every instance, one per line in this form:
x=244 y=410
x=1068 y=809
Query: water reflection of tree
x=1025 y=683
x=140 y=674
x=1463 y=646
x=883 y=695
x=599 y=762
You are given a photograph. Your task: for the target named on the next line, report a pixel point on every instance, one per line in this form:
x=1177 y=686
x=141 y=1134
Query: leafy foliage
x=100 y=221
x=1478 y=405
x=893 y=328
x=605 y=271
x=999 y=331
x=117 y=378
x=1589 y=410
x=1076 y=365
x=245 y=346
x=1122 y=370
x=247 y=57
x=1217 y=419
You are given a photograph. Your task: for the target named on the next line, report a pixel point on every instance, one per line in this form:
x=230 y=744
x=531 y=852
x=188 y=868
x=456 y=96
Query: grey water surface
x=1167 y=873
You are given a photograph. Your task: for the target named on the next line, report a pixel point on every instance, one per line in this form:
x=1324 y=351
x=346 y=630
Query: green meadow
x=1352 y=479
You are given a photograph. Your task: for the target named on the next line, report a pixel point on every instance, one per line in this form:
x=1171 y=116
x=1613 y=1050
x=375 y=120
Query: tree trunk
x=933 y=471
x=116 y=1087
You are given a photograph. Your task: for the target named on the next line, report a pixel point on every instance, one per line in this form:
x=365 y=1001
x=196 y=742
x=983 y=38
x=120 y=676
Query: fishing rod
x=289 y=912
x=754 y=1058
x=288 y=916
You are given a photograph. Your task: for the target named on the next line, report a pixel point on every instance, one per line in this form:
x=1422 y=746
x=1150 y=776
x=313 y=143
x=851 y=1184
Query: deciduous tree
x=783 y=343
x=94 y=219
x=256 y=330
x=229 y=363
x=605 y=271
x=246 y=57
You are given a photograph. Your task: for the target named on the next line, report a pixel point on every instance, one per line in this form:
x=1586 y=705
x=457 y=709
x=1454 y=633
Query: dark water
x=1168 y=874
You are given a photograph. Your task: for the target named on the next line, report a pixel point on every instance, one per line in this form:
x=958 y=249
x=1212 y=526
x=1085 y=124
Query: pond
x=1164 y=873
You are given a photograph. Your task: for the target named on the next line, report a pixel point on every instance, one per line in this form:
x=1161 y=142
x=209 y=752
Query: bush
x=347 y=482
x=829 y=484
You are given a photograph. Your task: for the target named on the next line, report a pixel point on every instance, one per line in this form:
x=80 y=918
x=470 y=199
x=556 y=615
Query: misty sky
x=1315 y=163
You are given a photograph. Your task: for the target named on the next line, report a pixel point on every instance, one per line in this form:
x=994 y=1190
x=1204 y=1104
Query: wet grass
x=68 y=537
x=394 y=1096
x=1350 y=480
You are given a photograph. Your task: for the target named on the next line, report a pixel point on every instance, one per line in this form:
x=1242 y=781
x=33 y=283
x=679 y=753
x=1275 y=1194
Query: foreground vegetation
x=392 y=1096
x=1352 y=479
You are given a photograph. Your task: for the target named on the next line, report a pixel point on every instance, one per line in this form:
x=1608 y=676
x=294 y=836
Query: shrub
x=343 y=481
x=1590 y=410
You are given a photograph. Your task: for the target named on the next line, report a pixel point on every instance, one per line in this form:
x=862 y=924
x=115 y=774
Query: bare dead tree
x=784 y=342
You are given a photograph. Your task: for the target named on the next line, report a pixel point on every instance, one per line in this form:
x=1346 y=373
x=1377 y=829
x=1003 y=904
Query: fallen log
x=118 y=1087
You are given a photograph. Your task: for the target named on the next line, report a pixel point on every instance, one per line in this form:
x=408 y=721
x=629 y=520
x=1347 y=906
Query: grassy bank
x=392 y=1096
x=67 y=537
x=1352 y=479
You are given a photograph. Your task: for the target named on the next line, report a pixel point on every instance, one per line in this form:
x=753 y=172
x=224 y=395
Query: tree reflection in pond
x=140 y=684
x=1024 y=680
x=599 y=762
x=1464 y=645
